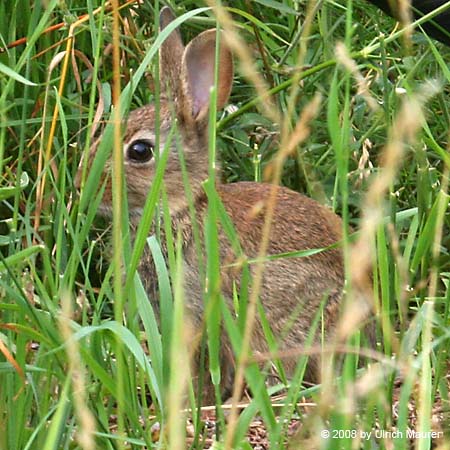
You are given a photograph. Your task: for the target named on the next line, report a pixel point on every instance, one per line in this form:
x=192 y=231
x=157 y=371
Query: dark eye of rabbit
x=140 y=151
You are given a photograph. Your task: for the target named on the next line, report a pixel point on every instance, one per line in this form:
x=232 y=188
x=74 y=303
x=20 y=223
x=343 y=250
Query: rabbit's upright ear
x=170 y=56
x=198 y=70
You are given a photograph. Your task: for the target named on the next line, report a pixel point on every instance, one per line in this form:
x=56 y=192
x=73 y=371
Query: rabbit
x=290 y=285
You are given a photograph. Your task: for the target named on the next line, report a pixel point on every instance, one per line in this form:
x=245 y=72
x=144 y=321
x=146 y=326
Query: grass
x=74 y=343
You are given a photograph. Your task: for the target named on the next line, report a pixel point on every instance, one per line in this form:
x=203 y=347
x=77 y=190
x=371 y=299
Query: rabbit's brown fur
x=290 y=285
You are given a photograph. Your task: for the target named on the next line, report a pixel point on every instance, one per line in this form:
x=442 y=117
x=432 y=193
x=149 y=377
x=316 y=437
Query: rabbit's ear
x=198 y=68
x=170 y=55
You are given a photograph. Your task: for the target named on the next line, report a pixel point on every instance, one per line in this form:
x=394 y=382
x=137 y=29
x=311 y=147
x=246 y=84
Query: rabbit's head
x=187 y=75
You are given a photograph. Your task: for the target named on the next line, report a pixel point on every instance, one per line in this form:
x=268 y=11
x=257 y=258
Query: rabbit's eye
x=140 y=151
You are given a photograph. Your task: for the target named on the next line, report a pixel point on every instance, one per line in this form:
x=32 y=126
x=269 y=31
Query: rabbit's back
x=293 y=288
x=299 y=222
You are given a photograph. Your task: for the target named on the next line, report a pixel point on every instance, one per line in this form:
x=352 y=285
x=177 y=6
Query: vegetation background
x=73 y=369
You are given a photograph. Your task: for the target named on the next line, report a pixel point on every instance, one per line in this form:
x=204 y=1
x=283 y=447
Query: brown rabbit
x=290 y=285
